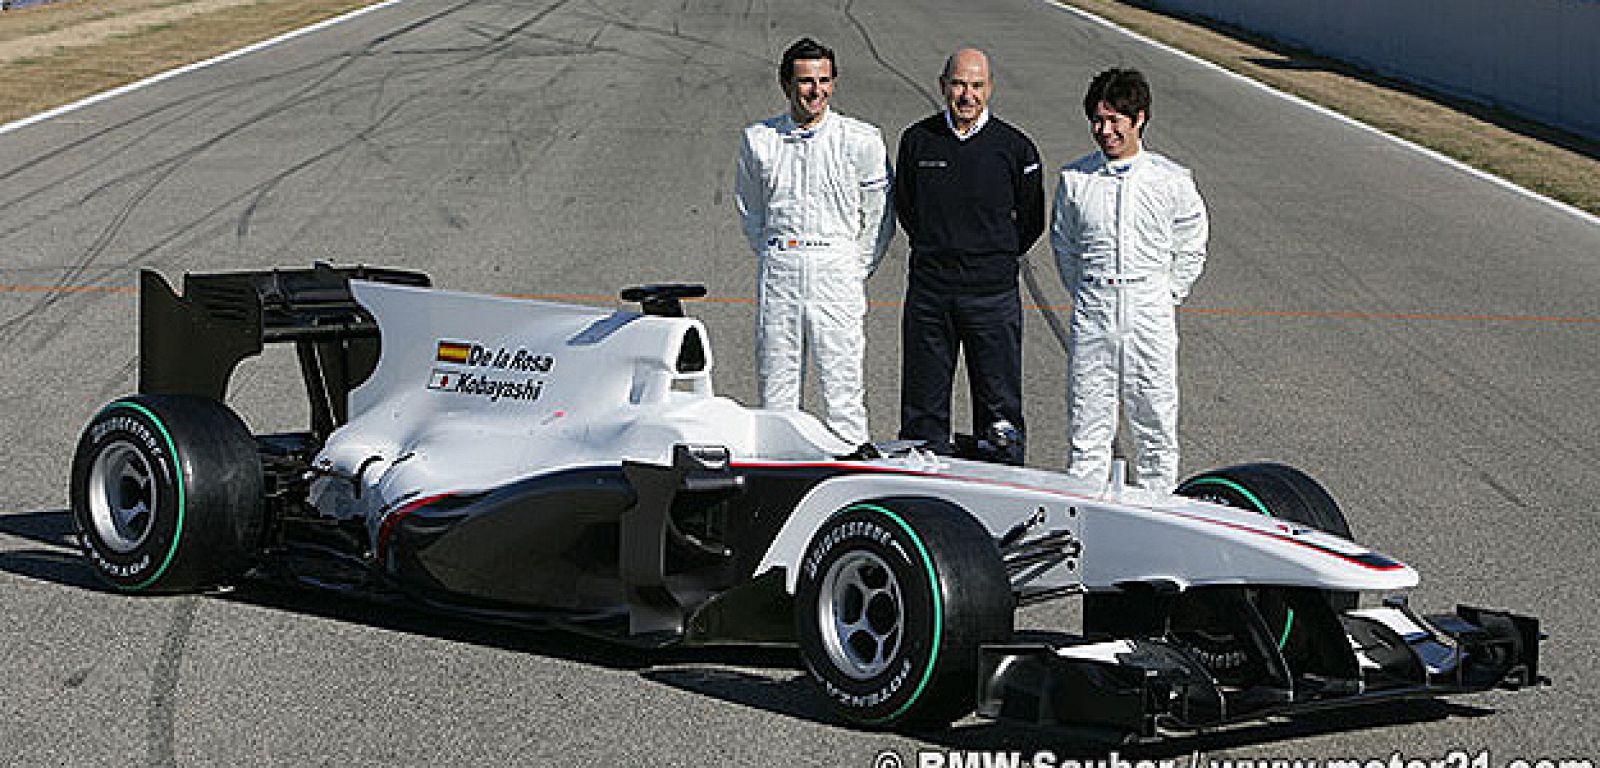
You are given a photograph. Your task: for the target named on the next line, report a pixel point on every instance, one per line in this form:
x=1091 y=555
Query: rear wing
x=191 y=344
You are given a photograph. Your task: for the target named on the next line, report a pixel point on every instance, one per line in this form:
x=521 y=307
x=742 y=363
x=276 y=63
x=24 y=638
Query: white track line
x=1450 y=161
x=218 y=59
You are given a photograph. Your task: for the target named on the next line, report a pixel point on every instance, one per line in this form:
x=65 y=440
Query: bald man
x=970 y=198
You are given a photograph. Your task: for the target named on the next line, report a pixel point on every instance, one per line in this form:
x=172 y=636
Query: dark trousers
x=987 y=329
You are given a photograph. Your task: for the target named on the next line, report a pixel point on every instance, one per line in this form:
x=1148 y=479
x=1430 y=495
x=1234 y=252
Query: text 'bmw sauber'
x=572 y=467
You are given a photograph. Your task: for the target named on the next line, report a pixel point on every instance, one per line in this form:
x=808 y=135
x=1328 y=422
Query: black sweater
x=969 y=208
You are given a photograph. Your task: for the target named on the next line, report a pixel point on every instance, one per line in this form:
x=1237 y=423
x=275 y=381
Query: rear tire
x=895 y=596
x=166 y=494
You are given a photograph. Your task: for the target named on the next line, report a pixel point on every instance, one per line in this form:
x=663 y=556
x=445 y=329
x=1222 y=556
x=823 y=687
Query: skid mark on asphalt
x=153 y=175
x=162 y=711
x=69 y=289
x=622 y=22
x=148 y=177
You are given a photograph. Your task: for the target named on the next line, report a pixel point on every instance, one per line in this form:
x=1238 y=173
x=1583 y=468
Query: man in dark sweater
x=970 y=197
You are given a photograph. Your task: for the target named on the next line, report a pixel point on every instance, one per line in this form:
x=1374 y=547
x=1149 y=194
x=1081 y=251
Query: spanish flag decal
x=453 y=351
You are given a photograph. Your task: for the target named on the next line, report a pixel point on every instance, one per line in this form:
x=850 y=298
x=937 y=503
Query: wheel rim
x=861 y=614
x=122 y=496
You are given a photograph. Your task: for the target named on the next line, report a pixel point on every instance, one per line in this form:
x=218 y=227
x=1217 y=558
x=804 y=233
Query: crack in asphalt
x=872 y=48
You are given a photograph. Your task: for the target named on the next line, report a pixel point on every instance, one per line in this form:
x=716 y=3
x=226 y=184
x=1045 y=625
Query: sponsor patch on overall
x=796 y=243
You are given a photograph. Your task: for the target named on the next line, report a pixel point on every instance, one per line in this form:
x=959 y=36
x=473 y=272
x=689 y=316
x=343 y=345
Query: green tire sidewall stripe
x=1231 y=485
x=1288 y=619
x=938 y=609
x=177 y=479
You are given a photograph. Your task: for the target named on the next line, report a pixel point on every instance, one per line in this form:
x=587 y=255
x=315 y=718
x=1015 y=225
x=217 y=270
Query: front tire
x=1272 y=489
x=1285 y=493
x=166 y=493
x=1278 y=491
x=895 y=596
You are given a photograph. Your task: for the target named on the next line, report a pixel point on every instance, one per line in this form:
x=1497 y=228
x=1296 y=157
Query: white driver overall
x=1130 y=240
x=813 y=204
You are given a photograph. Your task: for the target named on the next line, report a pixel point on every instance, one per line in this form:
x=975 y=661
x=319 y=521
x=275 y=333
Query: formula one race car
x=571 y=467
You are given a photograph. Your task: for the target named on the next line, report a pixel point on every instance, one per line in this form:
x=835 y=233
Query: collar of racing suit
x=977 y=125
x=1123 y=169
x=1123 y=166
x=792 y=131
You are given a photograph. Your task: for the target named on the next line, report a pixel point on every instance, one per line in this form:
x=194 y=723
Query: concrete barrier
x=1536 y=58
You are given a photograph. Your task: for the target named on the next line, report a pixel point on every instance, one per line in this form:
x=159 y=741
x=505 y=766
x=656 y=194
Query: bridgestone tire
x=1283 y=492
x=894 y=598
x=1274 y=490
x=166 y=494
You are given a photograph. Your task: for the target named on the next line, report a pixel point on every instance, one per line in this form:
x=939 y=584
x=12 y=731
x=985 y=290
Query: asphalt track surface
x=1423 y=341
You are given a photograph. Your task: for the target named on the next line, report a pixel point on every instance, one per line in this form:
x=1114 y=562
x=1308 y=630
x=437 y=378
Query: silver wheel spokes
x=122 y=496
x=861 y=614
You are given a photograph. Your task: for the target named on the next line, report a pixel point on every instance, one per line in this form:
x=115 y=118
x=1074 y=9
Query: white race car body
x=573 y=466
x=472 y=393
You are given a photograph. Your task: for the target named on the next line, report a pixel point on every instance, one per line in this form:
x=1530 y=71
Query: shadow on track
x=52 y=527
x=764 y=678
x=797 y=698
x=57 y=561
x=1028 y=739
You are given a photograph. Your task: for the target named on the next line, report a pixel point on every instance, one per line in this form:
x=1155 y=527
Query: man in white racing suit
x=812 y=189
x=1129 y=232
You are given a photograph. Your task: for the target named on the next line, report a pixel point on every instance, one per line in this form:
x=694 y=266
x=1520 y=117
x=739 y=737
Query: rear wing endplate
x=191 y=344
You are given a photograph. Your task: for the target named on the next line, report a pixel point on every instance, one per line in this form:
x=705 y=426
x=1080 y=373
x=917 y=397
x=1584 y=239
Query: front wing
x=1164 y=681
